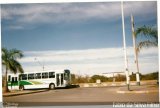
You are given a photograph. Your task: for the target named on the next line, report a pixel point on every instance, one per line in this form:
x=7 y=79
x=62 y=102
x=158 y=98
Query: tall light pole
x=39 y=63
x=125 y=51
x=135 y=51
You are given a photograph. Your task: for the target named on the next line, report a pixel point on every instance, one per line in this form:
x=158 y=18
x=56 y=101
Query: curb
x=16 y=94
x=147 y=91
x=108 y=84
x=105 y=85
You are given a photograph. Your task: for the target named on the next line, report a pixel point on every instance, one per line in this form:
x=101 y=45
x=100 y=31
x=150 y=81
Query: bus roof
x=59 y=71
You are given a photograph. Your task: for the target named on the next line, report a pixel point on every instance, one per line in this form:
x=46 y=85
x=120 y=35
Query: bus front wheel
x=51 y=86
x=21 y=87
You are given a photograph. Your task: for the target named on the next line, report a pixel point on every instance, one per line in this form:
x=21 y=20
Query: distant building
x=112 y=74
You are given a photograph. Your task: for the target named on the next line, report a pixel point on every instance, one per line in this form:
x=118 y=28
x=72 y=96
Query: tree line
x=118 y=78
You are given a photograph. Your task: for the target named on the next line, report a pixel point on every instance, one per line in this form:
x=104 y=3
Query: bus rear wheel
x=21 y=87
x=52 y=86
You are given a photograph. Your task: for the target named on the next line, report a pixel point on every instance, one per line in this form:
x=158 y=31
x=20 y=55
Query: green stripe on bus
x=25 y=83
x=35 y=82
x=20 y=83
x=13 y=84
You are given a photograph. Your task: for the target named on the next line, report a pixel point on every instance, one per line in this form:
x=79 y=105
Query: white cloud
x=75 y=54
x=69 y=12
x=16 y=27
x=91 y=61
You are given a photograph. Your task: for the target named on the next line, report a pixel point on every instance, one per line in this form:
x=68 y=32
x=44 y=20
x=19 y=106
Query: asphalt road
x=102 y=95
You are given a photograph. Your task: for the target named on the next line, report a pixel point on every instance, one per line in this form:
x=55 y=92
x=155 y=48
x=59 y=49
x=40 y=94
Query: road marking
x=153 y=91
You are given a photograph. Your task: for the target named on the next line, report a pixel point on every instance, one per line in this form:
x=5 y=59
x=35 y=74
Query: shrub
x=150 y=76
x=95 y=77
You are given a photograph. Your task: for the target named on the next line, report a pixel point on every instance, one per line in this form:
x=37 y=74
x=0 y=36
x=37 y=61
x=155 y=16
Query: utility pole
x=125 y=51
x=135 y=51
x=40 y=63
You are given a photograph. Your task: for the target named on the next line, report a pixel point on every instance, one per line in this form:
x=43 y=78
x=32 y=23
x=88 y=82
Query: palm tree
x=9 y=60
x=151 y=37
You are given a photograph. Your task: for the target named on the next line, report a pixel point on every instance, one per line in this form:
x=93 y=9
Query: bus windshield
x=66 y=75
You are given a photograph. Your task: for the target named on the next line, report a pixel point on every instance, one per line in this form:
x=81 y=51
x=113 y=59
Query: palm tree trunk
x=6 y=83
x=137 y=73
x=135 y=51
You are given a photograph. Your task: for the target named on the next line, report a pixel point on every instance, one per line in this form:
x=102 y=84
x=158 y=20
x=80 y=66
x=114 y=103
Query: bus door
x=14 y=82
x=59 y=79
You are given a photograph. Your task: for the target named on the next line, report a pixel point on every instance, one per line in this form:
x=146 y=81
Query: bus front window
x=66 y=75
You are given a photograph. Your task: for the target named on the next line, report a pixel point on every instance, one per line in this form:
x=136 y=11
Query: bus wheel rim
x=52 y=86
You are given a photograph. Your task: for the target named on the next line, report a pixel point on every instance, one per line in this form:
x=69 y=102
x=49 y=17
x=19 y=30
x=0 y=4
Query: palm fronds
x=150 y=37
x=146 y=44
x=9 y=59
x=147 y=32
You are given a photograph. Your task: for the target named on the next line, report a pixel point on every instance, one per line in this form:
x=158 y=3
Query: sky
x=83 y=37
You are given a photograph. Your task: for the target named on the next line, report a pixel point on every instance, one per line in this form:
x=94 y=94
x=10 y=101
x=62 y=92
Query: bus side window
x=30 y=76
x=9 y=78
x=20 y=77
x=37 y=75
x=51 y=74
x=24 y=76
x=45 y=75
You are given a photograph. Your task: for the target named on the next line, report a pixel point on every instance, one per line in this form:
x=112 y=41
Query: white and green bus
x=43 y=79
